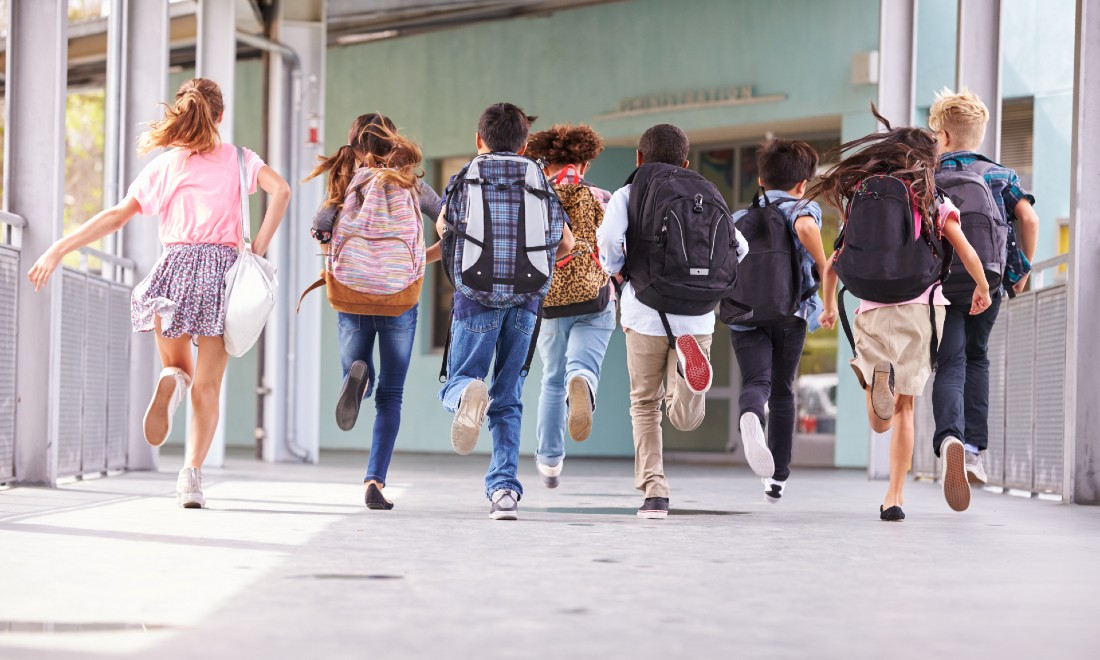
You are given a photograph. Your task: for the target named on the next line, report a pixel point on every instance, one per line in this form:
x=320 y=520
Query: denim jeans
x=568 y=346
x=395 y=342
x=960 y=393
x=768 y=358
x=503 y=334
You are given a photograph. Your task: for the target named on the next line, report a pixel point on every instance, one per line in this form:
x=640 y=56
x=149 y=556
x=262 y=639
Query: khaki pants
x=653 y=379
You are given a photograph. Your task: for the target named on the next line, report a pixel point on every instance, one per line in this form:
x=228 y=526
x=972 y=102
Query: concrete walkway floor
x=287 y=563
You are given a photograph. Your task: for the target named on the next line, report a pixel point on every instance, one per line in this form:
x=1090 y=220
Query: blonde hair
x=961 y=114
x=191 y=122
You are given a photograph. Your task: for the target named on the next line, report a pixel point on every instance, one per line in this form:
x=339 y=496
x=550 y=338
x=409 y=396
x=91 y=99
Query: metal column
x=1082 y=454
x=144 y=85
x=292 y=343
x=37 y=67
x=978 y=63
x=897 y=61
x=216 y=59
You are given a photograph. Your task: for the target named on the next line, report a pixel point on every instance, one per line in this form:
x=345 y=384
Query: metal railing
x=9 y=307
x=95 y=358
x=1027 y=363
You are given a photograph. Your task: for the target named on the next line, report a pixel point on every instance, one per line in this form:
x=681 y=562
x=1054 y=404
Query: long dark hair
x=906 y=153
x=373 y=141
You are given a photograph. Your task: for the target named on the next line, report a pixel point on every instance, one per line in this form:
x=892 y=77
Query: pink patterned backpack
x=375 y=264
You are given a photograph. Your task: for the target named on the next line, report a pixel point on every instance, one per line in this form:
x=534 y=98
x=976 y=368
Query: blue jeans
x=395 y=342
x=503 y=334
x=569 y=346
x=960 y=393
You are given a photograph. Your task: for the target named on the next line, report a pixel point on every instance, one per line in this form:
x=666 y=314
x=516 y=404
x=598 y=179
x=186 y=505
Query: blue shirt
x=793 y=209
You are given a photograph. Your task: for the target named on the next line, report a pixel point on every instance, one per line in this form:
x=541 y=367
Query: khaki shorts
x=901 y=335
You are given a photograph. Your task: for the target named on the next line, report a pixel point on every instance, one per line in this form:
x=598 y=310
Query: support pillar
x=34 y=187
x=978 y=63
x=1082 y=449
x=216 y=59
x=144 y=86
x=292 y=359
x=897 y=61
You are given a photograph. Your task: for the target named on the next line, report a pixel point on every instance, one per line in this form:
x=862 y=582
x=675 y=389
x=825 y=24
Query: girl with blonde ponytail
x=194 y=187
x=376 y=158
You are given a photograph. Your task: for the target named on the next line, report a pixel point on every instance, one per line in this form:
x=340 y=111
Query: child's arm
x=279 y=192
x=828 y=295
x=611 y=234
x=433 y=253
x=954 y=233
x=810 y=236
x=440 y=222
x=565 y=246
x=104 y=223
x=1027 y=229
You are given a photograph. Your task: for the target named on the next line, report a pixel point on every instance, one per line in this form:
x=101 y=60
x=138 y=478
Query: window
x=1017 y=137
x=442 y=293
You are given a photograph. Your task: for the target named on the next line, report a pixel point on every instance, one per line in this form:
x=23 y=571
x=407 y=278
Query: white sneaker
x=171 y=388
x=756 y=446
x=550 y=473
x=189 y=489
x=773 y=490
x=504 y=505
x=469 y=417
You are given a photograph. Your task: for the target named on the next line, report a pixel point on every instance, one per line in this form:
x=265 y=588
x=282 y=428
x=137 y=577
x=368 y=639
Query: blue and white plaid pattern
x=504 y=203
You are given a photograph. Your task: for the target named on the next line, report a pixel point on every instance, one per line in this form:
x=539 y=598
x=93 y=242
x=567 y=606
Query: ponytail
x=341 y=168
x=191 y=122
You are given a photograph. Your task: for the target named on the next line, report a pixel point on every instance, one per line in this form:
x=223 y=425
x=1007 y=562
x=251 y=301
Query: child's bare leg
x=901 y=450
x=205 y=399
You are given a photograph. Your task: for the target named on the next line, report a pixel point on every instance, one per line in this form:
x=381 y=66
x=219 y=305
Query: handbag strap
x=246 y=221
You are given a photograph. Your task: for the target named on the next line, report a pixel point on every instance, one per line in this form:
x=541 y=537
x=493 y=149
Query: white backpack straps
x=536 y=219
x=475 y=217
x=246 y=221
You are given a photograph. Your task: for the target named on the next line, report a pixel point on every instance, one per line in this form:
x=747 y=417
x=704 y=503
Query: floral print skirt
x=186 y=289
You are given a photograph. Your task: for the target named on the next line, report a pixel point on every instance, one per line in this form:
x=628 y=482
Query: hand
x=1019 y=286
x=981 y=301
x=257 y=248
x=40 y=272
x=828 y=318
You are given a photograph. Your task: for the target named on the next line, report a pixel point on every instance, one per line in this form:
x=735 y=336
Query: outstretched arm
x=828 y=296
x=102 y=224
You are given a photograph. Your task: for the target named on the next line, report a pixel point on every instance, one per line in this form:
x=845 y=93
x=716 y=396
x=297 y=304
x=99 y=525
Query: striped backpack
x=375 y=263
x=503 y=226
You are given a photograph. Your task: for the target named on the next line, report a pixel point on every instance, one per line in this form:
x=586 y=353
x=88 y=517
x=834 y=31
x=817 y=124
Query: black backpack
x=769 y=280
x=876 y=255
x=982 y=225
x=681 y=247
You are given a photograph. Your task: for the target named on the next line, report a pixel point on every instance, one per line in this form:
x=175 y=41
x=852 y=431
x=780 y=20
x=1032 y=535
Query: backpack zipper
x=683 y=241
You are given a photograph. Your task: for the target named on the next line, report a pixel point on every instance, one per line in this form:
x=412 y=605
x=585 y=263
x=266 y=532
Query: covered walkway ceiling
x=349 y=22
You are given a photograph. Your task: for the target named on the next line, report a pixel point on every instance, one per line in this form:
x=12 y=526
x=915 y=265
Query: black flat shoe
x=351 y=395
x=893 y=514
x=375 y=500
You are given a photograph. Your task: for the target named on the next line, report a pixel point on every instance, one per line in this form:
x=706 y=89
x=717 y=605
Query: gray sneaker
x=550 y=473
x=975 y=470
x=470 y=416
x=504 y=505
x=189 y=489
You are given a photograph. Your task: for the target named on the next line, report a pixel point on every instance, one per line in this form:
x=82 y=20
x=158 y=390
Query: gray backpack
x=982 y=224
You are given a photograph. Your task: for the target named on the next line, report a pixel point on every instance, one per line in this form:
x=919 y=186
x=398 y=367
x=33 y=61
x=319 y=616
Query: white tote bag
x=250 y=285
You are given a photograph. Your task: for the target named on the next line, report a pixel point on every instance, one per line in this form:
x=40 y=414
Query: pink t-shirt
x=947 y=212
x=197 y=196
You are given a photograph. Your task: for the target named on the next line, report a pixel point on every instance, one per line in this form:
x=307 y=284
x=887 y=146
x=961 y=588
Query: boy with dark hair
x=960 y=392
x=769 y=348
x=502 y=202
x=678 y=376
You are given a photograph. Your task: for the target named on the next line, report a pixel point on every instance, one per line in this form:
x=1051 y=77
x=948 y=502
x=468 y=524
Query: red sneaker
x=693 y=364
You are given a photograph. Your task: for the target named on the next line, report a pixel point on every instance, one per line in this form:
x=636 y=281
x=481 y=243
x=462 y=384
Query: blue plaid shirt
x=500 y=201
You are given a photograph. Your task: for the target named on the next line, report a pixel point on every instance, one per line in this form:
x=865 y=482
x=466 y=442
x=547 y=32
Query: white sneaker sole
x=956 y=488
x=653 y=515
x=580 y=409
x=469 y=417
x=504 y=515
x=757 y=454
x=157 y=424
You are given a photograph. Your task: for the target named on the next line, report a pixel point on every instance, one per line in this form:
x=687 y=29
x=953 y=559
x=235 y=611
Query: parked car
x=816 y=397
